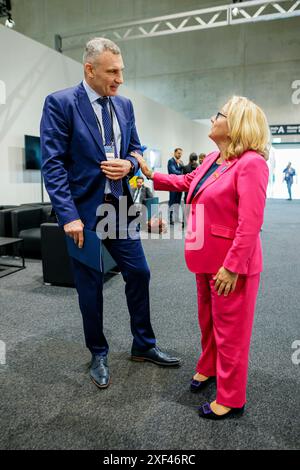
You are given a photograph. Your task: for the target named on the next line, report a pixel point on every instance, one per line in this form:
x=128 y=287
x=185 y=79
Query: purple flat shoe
x=206 y=412
x=197 y=386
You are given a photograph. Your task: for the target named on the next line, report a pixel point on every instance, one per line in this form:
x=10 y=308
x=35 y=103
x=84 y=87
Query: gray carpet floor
x=48 y=402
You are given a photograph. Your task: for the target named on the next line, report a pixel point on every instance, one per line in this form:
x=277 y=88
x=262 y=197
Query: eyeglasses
x=220 y=114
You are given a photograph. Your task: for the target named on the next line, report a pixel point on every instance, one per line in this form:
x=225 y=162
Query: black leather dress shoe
x=197 y=386
x=206 y=412
x=99 y=371
x=154 y=355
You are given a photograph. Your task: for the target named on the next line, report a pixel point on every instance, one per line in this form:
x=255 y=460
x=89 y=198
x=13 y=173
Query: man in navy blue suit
x=87 y=135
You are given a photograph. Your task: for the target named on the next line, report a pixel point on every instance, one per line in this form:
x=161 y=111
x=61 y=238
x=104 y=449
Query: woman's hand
x=144 y=167
x=225 y=281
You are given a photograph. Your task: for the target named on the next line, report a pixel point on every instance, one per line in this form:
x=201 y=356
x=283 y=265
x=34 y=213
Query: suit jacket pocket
x=223 y=231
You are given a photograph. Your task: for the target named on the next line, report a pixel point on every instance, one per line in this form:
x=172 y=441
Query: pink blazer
x=226 y=214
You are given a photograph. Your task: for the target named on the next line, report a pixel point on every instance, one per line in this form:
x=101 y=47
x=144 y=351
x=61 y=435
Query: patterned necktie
x=115 y=185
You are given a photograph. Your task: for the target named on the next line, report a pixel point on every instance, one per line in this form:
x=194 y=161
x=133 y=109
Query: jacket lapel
x=202 y=170
x=215 y=176
x=87 y=113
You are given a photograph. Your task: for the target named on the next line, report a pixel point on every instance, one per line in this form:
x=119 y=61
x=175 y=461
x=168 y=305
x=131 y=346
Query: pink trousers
x=226 y=327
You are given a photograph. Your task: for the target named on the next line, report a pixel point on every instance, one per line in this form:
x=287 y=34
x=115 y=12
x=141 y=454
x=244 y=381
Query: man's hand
x=116 y=169
x=74 y=230
x=225 y=281
x=143 y=165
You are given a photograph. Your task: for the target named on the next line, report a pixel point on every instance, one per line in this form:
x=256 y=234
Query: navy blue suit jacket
x=72 y=149
x=173 y=168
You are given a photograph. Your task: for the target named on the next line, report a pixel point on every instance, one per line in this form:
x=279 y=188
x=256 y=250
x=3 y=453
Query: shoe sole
x=199 y=389
x=223 y=417
x=102 y=387
x=235 y=415
x=145 y=359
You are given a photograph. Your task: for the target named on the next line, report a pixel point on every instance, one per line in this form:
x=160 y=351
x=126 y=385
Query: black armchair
x=5 y=221
x=25 y=223
x=6 y=230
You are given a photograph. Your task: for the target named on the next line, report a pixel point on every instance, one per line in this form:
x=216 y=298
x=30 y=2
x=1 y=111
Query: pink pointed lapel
x=208 y=161
x=213 y=177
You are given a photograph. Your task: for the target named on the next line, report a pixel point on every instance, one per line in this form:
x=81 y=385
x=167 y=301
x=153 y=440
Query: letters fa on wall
x=2 y=92
x=296 y=94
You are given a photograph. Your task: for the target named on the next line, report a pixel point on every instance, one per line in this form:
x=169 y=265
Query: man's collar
x=92 y=94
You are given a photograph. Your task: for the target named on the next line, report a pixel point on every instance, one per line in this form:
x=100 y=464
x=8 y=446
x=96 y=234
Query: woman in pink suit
x=227 y=195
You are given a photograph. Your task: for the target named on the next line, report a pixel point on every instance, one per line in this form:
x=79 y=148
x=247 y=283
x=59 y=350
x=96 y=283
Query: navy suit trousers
x=129 y=255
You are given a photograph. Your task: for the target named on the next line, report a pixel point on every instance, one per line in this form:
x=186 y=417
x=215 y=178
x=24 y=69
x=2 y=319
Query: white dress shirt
x=93 y=97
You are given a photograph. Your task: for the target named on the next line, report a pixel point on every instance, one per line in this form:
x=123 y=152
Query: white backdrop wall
x=30 y=71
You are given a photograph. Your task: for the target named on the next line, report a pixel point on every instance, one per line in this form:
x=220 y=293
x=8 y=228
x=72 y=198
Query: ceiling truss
x=223 y=15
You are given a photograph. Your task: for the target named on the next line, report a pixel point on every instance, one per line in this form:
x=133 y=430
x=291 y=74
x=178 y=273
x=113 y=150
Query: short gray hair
x=96 y=46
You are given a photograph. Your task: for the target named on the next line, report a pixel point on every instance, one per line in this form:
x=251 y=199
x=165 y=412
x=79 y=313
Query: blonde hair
x=248 y=128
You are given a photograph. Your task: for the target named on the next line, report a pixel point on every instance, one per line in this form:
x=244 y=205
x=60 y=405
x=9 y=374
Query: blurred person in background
x=289 y=174
x=201 y=158
x=191 y=166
